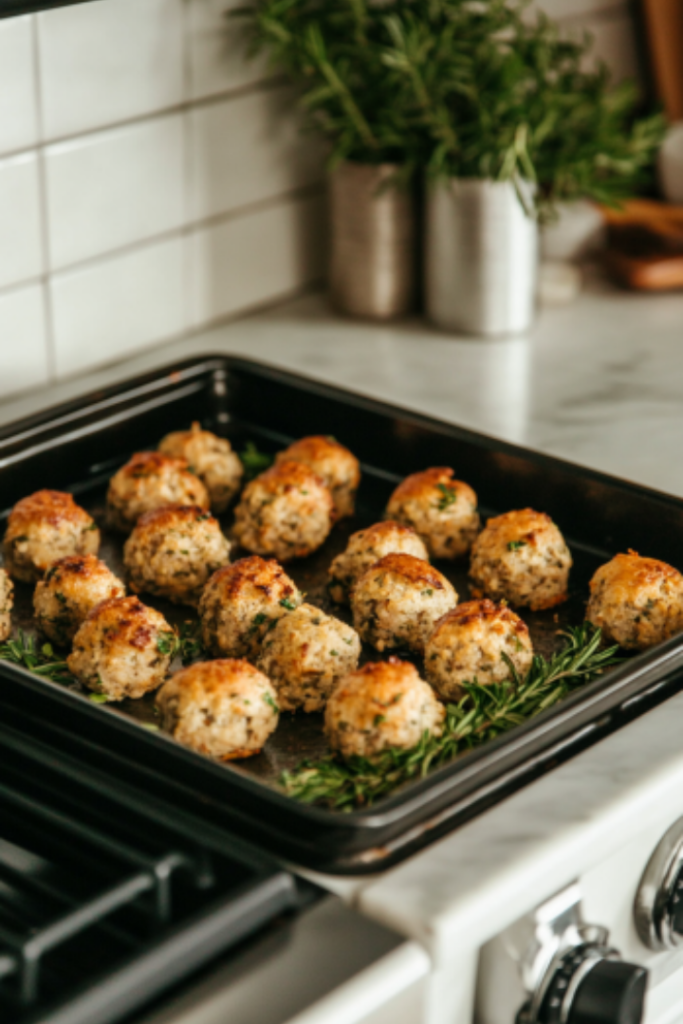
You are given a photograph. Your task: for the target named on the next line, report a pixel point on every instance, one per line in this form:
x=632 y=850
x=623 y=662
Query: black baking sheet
x=77 y=447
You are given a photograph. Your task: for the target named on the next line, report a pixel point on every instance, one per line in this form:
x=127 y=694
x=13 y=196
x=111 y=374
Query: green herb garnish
x=190 y=644
x=514 y=545
x=449 y=496
x=287 y=603
x=483 y=713
x=168 y=643
x=270 y=702
x=43 y=661
x=98 y=698
x=254 y=461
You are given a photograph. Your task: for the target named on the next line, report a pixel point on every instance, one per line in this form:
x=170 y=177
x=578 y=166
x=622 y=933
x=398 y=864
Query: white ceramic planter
x=481 y=256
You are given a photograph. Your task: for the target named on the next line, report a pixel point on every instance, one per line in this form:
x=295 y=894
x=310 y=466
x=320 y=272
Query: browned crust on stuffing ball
x=143 y=464
x=168 y=515
x=633 y=571
x=265 y=574
x=53 y=507
x=285 y=476
x=411 y=568
x=317 y=448
x=87 y=567
x=127 y=620
x=500 y=617
x=520 y=524
x=416 y=484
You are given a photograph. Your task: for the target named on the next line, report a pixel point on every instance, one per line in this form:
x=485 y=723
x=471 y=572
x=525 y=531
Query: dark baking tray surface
x=78 y=446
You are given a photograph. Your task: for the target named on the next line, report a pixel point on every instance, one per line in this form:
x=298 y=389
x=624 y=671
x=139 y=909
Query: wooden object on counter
x=645 y=245
x=664 y=25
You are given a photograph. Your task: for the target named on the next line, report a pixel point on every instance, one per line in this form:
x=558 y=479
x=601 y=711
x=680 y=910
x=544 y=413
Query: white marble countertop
x=599 y=382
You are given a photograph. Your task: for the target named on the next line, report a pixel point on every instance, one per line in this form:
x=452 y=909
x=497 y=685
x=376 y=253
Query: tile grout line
x=301 y=193
x=48 y=311
x=187 y=168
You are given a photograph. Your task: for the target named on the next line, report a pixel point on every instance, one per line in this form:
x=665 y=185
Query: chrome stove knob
x=658 y=909
x=590 y=986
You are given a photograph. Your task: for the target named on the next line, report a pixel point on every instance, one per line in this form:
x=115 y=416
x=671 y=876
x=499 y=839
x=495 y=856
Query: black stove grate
x=102 y=900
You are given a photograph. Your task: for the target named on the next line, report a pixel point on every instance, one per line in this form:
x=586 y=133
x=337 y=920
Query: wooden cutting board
x=645 y=245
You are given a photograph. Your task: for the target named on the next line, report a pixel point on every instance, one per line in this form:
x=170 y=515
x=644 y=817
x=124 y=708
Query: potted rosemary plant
x=515 y=123
x=334 y=50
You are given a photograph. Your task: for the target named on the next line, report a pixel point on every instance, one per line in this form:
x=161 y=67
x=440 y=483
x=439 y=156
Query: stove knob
x=589 y=987
x=658 y=907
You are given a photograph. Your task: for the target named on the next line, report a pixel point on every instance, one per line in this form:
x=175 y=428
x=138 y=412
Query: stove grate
x=94 y=884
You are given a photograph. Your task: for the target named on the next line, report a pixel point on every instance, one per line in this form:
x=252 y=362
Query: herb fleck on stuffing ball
x=381 y=706
x=225 y=709
x=367 y=547
x=286 y=512
x=241 y=602
x=398 y=600
x=70 y=590
x=123 y=649
x=211 y=458
x=336 y=466
x=43 y=528
x=148 y=481
x=468 y=645
x=305 y=655
x=173 y=551
x=521 y=557
x=636 y=601
x=6 y=605
x=442 y=510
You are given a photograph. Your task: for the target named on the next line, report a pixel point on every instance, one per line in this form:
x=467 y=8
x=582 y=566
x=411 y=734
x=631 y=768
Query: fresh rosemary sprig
x=481 y=714
x=254 y=461
x=189 y=645
x=43 y=661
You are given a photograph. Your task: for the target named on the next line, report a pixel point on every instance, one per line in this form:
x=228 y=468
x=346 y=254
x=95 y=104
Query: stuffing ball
x=211 y=458
x=149 y=481
x=69 y=591
x=43 y=528
x=225 y=709
x=241 y=602
x=123 y=649
x=173 y=551
x=398 y=600
x=468 y=645
x=286 y=512
x=6 y=605
x=336 y=466
x=383 y=705
x=637 y=602
x=367 y=547
x=305 y=655
x=521 y=557
x=442 y=510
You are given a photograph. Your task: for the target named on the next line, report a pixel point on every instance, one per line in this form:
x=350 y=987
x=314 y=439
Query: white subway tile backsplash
x=108 y=61
x=112 y=308
x=23 y=344
x=18 y=101
x=113 y=188
x=216 y=50
x=247 y=149
x=21 y=249
x=253 y=258
x=614 y=42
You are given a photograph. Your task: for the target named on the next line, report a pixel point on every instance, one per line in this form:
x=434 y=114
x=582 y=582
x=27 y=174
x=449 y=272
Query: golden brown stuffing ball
x=468 y=645
x=396 y=602
x=367 y=547
x=286 y=512
x=123 y=649
x=521 y=557
x=442 y=510
x=43 y=528
x=225 y=709
x=173 y=551
x=241 y=602
x=636 y=601
x=148 y=481
x=305 y=655
x=6 y=605
x=380 y=706
x=69 y=591
x=211 y=458
x=336 y=466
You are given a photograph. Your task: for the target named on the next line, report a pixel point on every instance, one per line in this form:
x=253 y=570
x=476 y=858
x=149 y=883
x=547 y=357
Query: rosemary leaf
x=43 y=661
